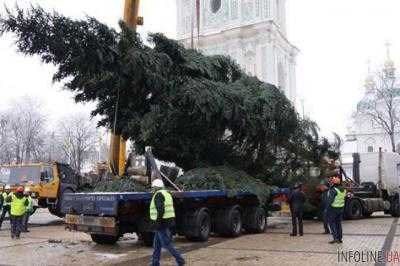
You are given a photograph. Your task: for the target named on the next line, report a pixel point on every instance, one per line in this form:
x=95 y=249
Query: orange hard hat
x=20 y=189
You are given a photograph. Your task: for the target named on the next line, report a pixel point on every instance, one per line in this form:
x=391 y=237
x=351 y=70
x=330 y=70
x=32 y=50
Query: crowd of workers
x=332 y=208
x=19 y=207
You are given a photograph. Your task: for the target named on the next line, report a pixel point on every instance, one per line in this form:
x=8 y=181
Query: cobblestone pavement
x=48 y=243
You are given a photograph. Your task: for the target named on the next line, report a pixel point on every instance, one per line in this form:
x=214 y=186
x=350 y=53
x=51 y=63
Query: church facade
x=365 y=134
x=252 y=32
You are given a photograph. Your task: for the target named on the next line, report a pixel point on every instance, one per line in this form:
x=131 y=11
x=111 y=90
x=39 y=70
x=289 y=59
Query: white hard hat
x=157 y=183
x=27 y=189
x=7 y=187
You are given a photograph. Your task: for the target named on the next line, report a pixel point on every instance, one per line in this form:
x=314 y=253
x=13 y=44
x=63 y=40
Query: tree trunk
x=392 y=141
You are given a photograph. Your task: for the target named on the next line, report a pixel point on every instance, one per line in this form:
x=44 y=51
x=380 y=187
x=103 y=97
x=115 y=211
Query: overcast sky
x=335 y=37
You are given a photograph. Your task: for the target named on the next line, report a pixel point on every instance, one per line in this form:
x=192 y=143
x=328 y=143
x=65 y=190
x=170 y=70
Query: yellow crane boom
x=117 y=142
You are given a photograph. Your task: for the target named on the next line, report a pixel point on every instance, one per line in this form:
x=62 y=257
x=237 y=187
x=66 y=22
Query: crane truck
x=49 y=182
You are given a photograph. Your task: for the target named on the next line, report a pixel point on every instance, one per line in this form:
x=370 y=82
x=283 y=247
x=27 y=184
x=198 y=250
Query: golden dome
x=369 y=82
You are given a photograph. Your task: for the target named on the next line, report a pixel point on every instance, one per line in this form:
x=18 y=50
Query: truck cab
x=374 y=186
x=47 y=181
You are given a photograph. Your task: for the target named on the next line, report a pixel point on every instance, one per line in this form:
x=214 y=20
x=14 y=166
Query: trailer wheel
x=147 y=238
x=395 y=207
x=254 y=220
x=104 y=239
x=228 y=222
x=198 y=224
x=353 y=210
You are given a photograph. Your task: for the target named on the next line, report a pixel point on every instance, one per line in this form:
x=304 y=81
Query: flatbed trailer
x=107 y=216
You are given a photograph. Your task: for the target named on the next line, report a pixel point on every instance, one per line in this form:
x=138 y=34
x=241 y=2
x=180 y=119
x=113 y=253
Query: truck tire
x=147 y=238
x=395 y=207
x=104 y=239
x=198 y=225
x=254 y=220
x=228 y=222
x=353 y=210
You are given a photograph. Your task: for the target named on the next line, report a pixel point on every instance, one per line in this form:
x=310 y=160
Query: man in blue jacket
x=297 y=199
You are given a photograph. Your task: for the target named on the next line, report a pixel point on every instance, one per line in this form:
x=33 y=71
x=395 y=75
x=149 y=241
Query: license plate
x=90 y=220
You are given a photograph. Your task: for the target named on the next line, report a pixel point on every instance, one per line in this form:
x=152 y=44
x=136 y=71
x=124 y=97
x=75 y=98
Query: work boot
x=334 y=241
x=326 y=233
x=293 y=234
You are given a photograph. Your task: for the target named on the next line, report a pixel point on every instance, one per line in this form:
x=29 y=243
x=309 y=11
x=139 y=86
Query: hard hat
x=20 y=189
x=27 y=189
x=157 y=183
x=7 y=187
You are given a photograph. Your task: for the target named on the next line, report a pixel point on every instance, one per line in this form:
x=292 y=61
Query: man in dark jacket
x=6 y=208
x=296 y=202
x=335 y=208
x=163 y=214
x=323 y=209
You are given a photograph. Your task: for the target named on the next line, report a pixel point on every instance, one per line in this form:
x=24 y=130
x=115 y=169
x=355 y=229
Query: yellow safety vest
x=169 y=211
x=18 y=207
x=29 y=208
x=339 y=199
x=5 y=195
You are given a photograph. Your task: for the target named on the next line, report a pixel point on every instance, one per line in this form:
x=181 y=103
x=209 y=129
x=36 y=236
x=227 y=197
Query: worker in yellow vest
x=162 y=213
x=5 y=205
x=18 y=209
x=29 y=209
x=335 y=208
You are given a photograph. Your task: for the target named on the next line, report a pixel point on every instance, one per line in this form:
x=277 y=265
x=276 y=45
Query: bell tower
x=252 y=32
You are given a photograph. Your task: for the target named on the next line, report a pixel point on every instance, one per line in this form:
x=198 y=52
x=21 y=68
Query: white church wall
x=252 y=32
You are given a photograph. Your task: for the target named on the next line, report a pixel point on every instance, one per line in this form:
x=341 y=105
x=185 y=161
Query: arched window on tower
x=277 y=12
x=234 y=9
x=370 y=149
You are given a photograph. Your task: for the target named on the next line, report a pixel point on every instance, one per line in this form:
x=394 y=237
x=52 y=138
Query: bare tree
x=5 y=145
x=77 y=134
x=382 y=103
x=22 y=131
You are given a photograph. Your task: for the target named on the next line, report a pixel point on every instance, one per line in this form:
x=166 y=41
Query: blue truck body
x=106 y=203
x=106 y=216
